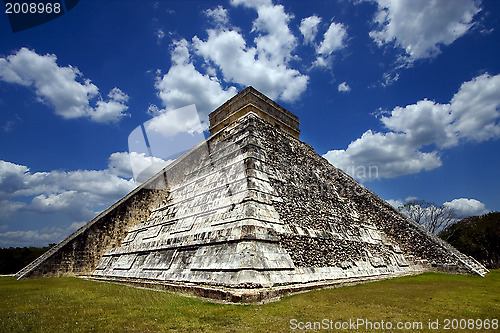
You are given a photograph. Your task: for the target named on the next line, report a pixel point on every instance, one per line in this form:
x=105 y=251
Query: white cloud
x=225 y=52
x=124 y=163
x=184 y=85
x=41 y=237
x=172 y=122
x=112 y=110
x=160 y=34
x=75 y=193
x=11 y=178
x=421 y=27
x=472 y=115
x=9 y=207
x=395 y=203
x=68 y=203
x=382 y=155
x=344 y=87
x=309 y=28
x=251 y=3
x=423 y=123
x=242 y=65
x=275 y=41
x=333 y=40
x=120 y=163
x=476 y=108
x=218 y=16
x=464 y=207
x=58 y=196
x=63 y=88
x=264 y=66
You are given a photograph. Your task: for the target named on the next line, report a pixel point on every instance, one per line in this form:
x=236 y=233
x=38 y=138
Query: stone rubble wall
x=232 y=221
x=318 y=196
x=250 y=207
x=80 y=253
x=217 y=223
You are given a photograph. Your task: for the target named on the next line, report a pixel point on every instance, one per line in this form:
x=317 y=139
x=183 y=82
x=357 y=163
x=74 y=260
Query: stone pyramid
x=247 y=215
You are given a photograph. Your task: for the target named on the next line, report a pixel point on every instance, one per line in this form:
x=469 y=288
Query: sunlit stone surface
x=247 y=215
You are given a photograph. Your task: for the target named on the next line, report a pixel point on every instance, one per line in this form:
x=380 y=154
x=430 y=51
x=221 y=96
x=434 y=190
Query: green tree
x=12 y=259
x=476 y=236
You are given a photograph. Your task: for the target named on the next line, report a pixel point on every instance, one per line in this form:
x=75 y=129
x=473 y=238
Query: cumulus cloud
x=74 y=193
x=333 y=40
x=309 y=28
x=124 y=164
x=459 y=208
x=111 y=110
x=242 y=65
x=344 y=87
x=275 y=40
x=218 y=16
x=173 y=122
x=382 y=155
x=423 y=123
x=10 y=207
x=476 y=108
x=120 y=164
x=421 y=27
x=395 y=203
x=183 y=85
x=418 y=132
x=37 y=237
x=471 y=115
x=265 y=65
x=464 y=207
x=64 y=196
x=62 y=88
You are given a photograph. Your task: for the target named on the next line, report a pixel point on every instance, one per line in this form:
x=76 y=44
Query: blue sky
x=409 y=90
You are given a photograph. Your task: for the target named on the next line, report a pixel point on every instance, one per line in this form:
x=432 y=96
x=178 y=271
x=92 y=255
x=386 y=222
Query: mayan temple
x=248 y=215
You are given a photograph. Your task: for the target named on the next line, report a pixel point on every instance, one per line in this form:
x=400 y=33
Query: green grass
x=76 y=305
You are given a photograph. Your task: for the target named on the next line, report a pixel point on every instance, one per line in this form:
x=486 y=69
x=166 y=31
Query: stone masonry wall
x=80 y=253
x=318 y=196
x=293 y=200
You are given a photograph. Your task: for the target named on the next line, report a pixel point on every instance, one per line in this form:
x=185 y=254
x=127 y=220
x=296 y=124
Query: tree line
x=13 y=259
x=476 y=236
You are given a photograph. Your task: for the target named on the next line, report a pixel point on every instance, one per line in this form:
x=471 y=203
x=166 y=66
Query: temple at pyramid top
x=250 y=100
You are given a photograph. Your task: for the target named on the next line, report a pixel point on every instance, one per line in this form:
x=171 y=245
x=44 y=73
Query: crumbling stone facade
x=80 y=253
x=246 y=215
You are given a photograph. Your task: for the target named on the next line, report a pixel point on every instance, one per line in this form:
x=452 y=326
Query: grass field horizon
x=78 y=305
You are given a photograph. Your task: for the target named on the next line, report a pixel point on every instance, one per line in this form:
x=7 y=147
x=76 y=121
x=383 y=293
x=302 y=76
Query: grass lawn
x=76 y=305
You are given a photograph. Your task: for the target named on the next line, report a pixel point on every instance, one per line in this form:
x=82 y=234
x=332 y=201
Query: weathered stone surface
x=80 y=253
x=250 y=100
x=246 y=215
